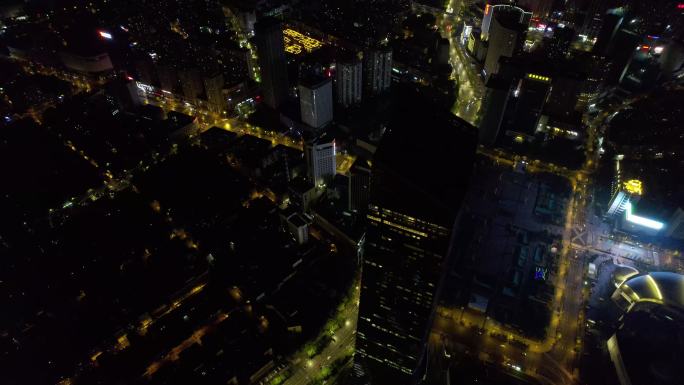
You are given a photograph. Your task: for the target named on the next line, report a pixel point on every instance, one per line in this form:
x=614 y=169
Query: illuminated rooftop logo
x=633 y=186
x=296 y=43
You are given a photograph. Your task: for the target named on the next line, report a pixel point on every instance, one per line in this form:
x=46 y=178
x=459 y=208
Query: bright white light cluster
x=642 y=221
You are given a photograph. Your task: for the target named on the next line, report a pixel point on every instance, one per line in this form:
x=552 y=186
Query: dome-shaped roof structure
x=660 y=287
x=622 y=273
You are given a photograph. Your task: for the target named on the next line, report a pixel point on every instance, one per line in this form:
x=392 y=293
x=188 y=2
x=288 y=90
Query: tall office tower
x=271 y=52
x=609 y=28
x=442 y=53
x=417 y=186
x=540 y=8
x=672 y=59
x=495 y=100
x=377 y=70
x=359 y=186
x=559 y=45
x=623 y=191
x=593 y=17
x=191 y=83
x=525 y=105
x=241 y=15
x=506 y=36
x=643 y=69
x=168 y=77
x=508 y=11
x=144 y=69
x=620 y=53
x=349 y=82
x=567 y=85
x=122 y=94
x=320 y=159
x=315 y=101
x=213 y=86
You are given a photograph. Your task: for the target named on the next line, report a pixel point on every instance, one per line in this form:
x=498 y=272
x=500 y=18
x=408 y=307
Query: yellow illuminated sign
x=540 y=78
x=296 y=43
x=633 y=186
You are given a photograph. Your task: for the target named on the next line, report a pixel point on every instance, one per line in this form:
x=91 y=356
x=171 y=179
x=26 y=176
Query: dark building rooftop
x=424 y=162
x=314 y=82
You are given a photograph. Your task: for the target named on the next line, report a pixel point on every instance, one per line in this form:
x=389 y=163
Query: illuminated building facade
x=377 y=70
x=321 y=165
x=618 y=203
x=315 y=102
x=505 y=39
x=401 y=272
x=411 y=215
x=493 y=10
x=349 y=82
x=624 y=192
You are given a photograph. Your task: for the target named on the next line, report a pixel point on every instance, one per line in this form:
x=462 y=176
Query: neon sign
x=540 y=273
x=641 y=221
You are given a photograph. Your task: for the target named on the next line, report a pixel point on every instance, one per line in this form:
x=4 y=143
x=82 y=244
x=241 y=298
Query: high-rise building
x=377 y=70
x=359 y=186
x=559 y=44
x=643 y=68
x=144 y=70
x=315 y=101
x=241 y=14
x=320 y=155
x=271 y=52
x=493 y=11
x=349 y=82
x=495 y=100
x=191 y=83
x=540 y=8
x=622 y=191
x=593 y=18
x=506 y=36
x=442 y=53
x=122 y=94
x=609 y=28
x=414 y=203
x=168 y=77
x=568 y=83
x=675 y=226
x=672 y=59
x=525 y=105
x=213 y=86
